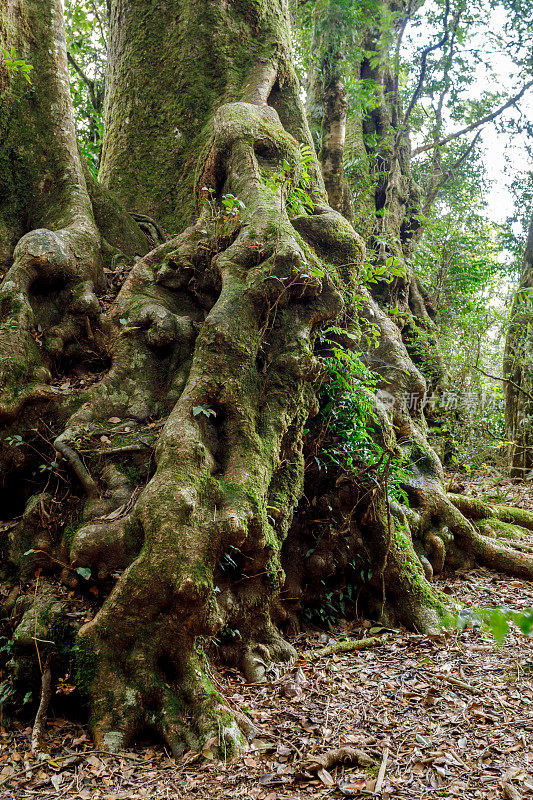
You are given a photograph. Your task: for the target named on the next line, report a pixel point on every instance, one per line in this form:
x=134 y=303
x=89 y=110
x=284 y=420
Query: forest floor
x=449 y=715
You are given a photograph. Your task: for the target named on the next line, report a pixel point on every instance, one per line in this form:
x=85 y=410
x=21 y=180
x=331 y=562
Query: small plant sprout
x=16 y=64
x=205 y=410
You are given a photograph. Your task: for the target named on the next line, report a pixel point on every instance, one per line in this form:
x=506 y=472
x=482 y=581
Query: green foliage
x=376 y=273
x=347 y=408
x=15 y=64
x=339 y=603
x=459 y=257
x=497 y=620
x=84 y=572
x=86 y=30
x=205 y=410
x=223 y=215
x=348 y=437
x=228 y=561
x=227 y=635
x=294 y=187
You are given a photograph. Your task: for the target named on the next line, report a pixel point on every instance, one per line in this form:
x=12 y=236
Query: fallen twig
x=382 y=770
x=345 y=646
x=462 y=684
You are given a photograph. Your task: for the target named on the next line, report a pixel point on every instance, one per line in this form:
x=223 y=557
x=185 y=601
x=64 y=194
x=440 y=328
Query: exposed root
x=346 y=756
x=61 y=444
x=151 y=229
x=213 y=333
x=454 y=511
x=106 y=547
x=346 y=646
x=42 y=712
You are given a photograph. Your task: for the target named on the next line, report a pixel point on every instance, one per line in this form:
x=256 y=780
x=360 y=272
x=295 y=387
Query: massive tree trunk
x=518 y=371
x=204 y=353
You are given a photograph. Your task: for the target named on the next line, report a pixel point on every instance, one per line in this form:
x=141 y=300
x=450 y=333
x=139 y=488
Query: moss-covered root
x=60 y=257
x=494 y=536
x=162 y=687
x=476 y=509
x=230 y=450
x=454 y=512
x=399 y=585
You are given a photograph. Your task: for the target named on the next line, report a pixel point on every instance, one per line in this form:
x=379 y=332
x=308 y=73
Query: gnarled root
x=230 y=450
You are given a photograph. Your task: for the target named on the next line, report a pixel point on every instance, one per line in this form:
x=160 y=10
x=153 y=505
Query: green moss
x=63 y=634
x=506 y=530
x=420 y=592
x=207 y=59
x=132 y=473
x=202 y=573
x=69 y=532
x=86 y=664
x=515 y=516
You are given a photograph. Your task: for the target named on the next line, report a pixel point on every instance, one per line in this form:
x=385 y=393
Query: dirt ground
x=440 y=716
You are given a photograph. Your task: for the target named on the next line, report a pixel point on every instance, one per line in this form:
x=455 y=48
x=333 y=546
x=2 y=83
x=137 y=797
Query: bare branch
x=504 y=380
x=423 y=65
x=437 y=183
x=85 y=78
x=99 y=20
x=474 y=125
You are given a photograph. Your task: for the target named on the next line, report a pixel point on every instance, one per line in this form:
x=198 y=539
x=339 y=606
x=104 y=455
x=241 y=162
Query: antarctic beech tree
x=155 y=404
x=518 y=371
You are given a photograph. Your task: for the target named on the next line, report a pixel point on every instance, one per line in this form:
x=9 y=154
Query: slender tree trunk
x=327 y=104
x=517 y=370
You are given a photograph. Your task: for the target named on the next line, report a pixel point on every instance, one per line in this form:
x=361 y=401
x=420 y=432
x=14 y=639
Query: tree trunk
x=203 y=352
x=327 y=103
x=518 y=371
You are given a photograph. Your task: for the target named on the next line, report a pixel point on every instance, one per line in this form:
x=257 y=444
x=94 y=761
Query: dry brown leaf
x=325 y=777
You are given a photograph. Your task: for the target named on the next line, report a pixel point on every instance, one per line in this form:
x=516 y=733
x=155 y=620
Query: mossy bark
x=170 y=66
x=50 y=246
x=185 y=450
x=327 y=103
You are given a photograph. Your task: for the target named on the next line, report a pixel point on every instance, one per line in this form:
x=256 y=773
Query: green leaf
x=85 y=572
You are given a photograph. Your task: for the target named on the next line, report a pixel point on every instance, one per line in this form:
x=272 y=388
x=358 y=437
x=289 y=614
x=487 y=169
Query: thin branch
x=474 y=125
x=505 y=380
x=85 y=78
x=40 y=719
x=423 y=65
x=436 y=185
x=99 y=19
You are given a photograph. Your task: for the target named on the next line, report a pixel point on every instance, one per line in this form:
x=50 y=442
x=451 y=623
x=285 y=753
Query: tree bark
x=517 y=371
x=202 y=353
x=327 y=103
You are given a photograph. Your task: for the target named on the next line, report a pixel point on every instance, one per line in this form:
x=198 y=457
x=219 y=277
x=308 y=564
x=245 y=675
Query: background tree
x=518 y=370
x=155 y=404
x=86 y=33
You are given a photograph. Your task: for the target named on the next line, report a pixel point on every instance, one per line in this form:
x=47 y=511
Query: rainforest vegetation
x=257 y=296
